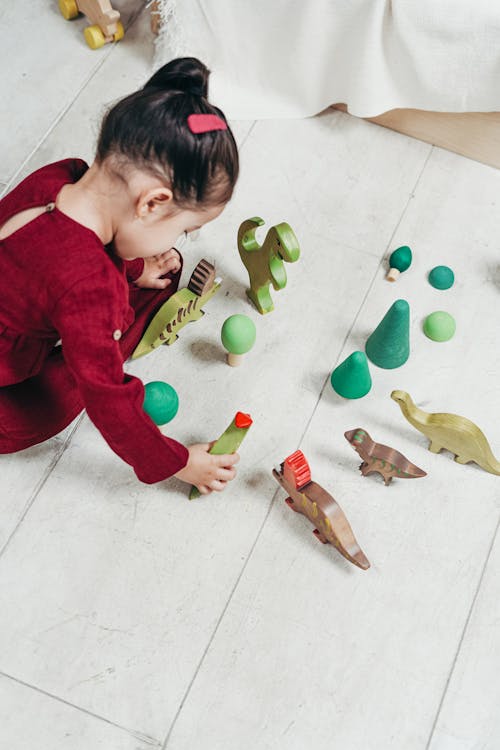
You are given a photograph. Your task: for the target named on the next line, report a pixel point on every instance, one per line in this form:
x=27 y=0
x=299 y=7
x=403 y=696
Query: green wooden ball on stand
x=238 y=336
x=399 y=261
x=161 y=401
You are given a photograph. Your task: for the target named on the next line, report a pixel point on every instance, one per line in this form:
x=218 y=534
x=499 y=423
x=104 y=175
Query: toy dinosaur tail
x=492 y=465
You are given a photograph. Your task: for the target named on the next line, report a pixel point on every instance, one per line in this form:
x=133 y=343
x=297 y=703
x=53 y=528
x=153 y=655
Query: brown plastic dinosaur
x=380 y=458
x=310 y=499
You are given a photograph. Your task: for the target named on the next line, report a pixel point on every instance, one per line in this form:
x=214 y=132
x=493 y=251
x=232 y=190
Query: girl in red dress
x=83 y=262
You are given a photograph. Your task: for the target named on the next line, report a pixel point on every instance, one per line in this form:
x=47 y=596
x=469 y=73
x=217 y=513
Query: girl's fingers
x=226 y=475
x=217 y=485
x=227 y=460
x=169 y=265
x=204 y=489
x=169 y=255
x=159 y=283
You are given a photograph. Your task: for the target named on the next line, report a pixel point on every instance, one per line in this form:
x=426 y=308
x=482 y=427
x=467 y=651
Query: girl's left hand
x=156 y=267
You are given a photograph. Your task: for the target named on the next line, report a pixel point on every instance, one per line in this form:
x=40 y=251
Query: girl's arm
x=89 y=318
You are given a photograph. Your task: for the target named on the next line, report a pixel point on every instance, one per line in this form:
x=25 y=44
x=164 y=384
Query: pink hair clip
x=205 y=123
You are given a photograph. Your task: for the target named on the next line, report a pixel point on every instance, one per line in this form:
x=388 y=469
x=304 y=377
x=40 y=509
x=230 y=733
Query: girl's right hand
x=206 y=471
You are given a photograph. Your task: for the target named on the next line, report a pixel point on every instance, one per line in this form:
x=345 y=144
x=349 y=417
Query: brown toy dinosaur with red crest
x=310 y=499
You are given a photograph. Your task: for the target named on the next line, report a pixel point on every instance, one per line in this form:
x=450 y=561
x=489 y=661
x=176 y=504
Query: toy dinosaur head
x=284 y=242
x=401 y=397
x=356 y=437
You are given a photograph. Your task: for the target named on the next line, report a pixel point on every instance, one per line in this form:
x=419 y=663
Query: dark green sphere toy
x=441 y=277
x=161 y=401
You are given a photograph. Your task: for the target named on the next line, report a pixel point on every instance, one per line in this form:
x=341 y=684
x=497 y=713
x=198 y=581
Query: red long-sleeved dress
x=58 y=281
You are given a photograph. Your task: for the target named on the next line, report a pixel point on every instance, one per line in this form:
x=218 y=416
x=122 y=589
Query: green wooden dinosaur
x=264 y=263
x=182 y=307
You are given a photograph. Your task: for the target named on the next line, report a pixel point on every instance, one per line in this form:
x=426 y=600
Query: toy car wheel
x=68 y=8
x=120 y=32
x=94 y=37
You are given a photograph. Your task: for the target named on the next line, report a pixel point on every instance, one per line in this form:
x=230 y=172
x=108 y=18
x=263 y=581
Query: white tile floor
x=131 y=618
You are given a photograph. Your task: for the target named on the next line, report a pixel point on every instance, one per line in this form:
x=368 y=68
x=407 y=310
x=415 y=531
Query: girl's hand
x=208 y=472
x=156 y=267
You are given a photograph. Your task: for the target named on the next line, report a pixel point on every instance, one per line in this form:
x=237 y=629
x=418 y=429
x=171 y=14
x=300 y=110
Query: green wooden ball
x=441 y=277
x=238 y=334
x=161 y=401
x=439 y=326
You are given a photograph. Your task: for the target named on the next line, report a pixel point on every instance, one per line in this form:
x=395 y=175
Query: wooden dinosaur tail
x=492 y=465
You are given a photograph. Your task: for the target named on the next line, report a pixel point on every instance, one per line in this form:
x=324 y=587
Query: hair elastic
x=205 y=123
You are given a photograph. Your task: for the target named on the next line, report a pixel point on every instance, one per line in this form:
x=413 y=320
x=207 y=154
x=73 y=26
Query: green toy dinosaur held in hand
x=264 y=263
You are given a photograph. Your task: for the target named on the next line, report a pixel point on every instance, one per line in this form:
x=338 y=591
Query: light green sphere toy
x=439 y=326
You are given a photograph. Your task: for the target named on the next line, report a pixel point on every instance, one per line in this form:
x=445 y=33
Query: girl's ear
x=153 y=201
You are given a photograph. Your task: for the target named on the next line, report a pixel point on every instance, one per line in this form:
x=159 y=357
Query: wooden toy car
x=106 y=25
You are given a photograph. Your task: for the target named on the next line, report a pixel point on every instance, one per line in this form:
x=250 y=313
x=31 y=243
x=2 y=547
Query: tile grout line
x=41 y=483
x=462 y=637
x=134 y=733
x=257 y=537
x=231 y=593
x=12 y=180
x=245 y=139
x=216 y=628
x=370 y=287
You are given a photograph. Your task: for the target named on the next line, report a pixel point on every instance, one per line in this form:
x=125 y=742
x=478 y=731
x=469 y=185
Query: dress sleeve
x=89 y=318
x=134 y=268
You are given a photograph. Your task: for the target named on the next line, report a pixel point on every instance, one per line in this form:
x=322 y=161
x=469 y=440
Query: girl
x=82 y=260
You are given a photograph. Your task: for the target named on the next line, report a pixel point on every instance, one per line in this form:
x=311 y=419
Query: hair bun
x=186 y=74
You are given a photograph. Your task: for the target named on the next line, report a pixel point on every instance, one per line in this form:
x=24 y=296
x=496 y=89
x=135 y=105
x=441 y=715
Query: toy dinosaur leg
x=367 y=468
x=462 y=459
x=317 y=533
x=435 y=447
x=261 y=298
x=291 y=504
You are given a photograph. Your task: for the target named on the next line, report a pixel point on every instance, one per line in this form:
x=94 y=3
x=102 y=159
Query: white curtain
x=293 y=58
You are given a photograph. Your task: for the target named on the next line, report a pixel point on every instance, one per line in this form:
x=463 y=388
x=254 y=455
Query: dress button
x=117 y=334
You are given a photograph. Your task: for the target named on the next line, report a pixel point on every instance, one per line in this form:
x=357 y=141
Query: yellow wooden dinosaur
x=449 y=431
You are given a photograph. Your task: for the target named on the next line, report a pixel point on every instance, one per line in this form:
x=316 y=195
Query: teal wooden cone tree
x=351 y=379
x=389 y=344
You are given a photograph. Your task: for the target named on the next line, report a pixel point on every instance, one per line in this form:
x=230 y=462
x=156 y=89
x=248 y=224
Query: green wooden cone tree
x=389 y=344
x=351 y=379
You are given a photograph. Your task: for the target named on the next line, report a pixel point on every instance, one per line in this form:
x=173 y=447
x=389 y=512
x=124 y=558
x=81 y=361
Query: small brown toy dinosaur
x=310 y=499
x=380 y=458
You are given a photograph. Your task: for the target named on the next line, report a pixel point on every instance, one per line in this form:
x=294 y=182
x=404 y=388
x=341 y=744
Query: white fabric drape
x=293 y=58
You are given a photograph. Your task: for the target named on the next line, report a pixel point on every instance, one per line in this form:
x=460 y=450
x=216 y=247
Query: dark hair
x=149 y=130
